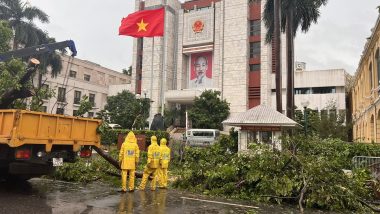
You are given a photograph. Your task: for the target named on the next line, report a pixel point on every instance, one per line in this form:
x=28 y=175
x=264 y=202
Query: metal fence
x=365 y=161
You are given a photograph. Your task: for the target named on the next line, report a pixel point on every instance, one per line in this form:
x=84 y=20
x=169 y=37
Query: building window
x=378 y=66
x=370 y=76
x=73 y=74
x=324 y=114
x=61 y=95
x=44 y=109
x=252 y=137
x=302 y=91
x=77 y=96
x=254 y=49
x=342 y=115
x=87 y=77
x=332 y=113
x=254 y=67
x=255 y=28
x=91 y=98
x=60 y=111
x=75 y=112
x=324 y=90
x=90 y=114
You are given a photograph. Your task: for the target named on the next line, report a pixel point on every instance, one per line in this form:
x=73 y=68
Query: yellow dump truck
x=32 y=143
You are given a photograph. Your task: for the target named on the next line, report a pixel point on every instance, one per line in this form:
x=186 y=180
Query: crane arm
x=39 y=49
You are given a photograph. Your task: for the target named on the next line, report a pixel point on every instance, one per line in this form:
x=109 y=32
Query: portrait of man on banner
x=201 y=70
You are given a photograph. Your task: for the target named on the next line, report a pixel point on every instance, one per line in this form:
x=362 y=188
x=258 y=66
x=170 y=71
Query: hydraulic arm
x=39 y=49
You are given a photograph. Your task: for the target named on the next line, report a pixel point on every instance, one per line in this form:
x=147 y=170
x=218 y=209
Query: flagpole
x=151 y=72
x=163 y=82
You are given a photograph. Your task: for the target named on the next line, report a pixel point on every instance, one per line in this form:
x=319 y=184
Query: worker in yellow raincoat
x=152 y=164
x=128 y=158
x=162 y=172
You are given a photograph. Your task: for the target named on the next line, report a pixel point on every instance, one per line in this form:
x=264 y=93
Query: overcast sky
x=337 y=41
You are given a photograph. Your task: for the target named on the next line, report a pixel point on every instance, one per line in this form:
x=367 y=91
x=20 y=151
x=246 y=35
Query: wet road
x=47 y=196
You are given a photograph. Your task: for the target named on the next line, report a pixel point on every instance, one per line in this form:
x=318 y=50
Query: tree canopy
x=20 y=16
x=6 y=36
x=305 y=13
x=126 y=110
x=330 y=123
x=84 y=107
x=128 y=71
x=209 y=111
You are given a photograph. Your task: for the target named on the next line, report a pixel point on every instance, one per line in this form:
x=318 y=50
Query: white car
x=201 y=137
x=115 y=126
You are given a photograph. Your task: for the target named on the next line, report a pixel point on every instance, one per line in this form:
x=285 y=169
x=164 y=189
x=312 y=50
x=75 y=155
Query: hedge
x=109 y=136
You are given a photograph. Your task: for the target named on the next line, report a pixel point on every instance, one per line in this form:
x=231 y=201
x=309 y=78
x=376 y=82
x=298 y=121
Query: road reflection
x=126 y=203
x=142 y=201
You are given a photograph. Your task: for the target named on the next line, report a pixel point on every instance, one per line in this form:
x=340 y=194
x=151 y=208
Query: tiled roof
x=261 y=115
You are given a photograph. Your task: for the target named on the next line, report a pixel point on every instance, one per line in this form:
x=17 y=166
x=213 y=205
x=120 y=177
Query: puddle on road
x=65 y=197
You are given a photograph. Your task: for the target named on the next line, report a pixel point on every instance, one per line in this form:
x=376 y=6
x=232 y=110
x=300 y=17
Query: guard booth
x=260 y=125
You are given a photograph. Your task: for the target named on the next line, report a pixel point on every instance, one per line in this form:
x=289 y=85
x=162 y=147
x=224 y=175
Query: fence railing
x=365 y=161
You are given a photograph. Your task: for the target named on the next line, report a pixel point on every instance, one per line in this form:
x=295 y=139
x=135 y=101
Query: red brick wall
x=254 y=77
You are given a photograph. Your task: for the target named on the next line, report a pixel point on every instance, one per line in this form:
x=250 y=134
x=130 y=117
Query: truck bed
x=21 y=127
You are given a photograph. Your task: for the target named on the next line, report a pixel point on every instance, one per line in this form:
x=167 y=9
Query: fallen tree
x=307 y=172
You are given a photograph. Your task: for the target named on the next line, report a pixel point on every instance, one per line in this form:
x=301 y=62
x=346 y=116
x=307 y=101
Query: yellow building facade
x=366 y=92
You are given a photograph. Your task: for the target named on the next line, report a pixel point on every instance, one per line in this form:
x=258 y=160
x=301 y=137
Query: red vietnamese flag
x=145 y=23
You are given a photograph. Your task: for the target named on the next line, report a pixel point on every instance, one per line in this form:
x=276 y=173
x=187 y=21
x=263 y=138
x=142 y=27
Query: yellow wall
x=365 y=99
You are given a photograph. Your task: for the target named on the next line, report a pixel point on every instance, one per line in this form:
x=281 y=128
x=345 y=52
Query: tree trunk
x=277 y=48
x=15 y=44
x=39 y=80
x=290 y=65
x=11 y=95
x=108 y=158
x=115 y=163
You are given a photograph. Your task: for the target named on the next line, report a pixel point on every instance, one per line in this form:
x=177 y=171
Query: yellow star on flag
x=142 y=25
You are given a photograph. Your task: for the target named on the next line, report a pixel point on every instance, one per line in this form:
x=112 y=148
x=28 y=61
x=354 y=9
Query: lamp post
x=145 y=92
x=305 y=104
x=144 y=102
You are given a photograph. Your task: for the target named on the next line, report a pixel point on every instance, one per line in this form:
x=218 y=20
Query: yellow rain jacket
x=129 y=152
x=154 y=154
x=165 y=154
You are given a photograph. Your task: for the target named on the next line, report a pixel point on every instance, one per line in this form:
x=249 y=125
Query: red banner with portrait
x=200 y=75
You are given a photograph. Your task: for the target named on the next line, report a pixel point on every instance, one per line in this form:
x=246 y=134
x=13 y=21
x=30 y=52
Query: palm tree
x=20 y=16
x=49 y=60
x=301 y=14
